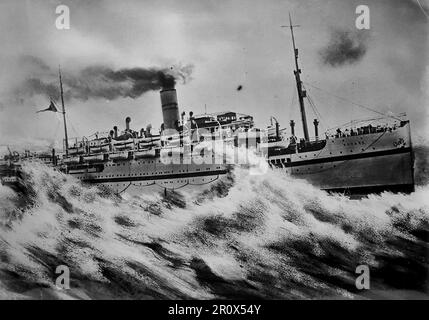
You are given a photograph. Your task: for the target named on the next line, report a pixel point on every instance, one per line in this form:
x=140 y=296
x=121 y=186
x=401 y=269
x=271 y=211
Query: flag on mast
x=52 y=107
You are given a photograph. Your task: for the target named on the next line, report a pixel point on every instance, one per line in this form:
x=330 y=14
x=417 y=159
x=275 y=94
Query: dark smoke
x=344 y=47
x=103 y=82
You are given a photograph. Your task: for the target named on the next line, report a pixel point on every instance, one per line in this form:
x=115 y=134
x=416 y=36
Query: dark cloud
x=101 y=82
x=344 y=47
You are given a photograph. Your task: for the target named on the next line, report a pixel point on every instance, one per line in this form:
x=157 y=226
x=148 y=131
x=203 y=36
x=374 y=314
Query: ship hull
x=375 y=173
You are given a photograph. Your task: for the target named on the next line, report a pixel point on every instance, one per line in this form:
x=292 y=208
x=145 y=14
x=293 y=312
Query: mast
x=64 y=113
x=301 y=93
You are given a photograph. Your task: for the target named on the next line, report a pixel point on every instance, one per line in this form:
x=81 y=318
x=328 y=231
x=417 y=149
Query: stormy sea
x=255 y=236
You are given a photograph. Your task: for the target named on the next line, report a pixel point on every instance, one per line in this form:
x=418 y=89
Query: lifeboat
x=123 y=155
x=100 y=148
x=76 y=150
x=149 y=142
x=71 y=160
x=123 y=144
x=99 y=145
x=146 y=145
x=94 y=158
x=145 y=153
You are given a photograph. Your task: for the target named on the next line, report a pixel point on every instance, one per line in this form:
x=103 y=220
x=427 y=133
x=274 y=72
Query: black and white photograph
x=214 y=150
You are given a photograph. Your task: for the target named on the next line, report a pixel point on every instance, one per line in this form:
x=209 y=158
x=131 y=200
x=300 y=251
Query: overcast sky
x=216 y=46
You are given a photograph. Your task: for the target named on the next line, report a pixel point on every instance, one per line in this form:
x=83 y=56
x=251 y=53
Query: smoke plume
x=344 y=47
x=102 y=82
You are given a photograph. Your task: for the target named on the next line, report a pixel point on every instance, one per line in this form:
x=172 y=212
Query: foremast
x=301 y=93
x=66 y=141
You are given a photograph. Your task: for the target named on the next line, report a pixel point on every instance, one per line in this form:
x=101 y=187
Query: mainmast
x=301 y=93
x=64 y=113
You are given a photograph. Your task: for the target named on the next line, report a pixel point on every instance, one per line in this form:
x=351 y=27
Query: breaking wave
x=258 y=236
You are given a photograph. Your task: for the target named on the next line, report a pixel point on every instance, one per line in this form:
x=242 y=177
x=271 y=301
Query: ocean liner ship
x=363 y=157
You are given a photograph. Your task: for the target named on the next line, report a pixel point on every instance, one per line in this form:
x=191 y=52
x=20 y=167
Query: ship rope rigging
x=351 y=102
x=316 y=112
x=57 y=127
x=76 y=133
x=291 y=108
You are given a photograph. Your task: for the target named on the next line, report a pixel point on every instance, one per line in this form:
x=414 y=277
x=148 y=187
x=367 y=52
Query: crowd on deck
x=362 y=130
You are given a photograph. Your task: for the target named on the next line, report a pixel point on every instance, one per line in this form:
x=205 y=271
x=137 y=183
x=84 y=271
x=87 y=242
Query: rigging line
x=318 y=115
x=72 y=126
x=201 y=184
x=323 y=121
x=292 y=102
x=129 y=185
x=423 y=10
x=316 y=111
x=313 y=105
x=354 y=103
x=56 y=129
